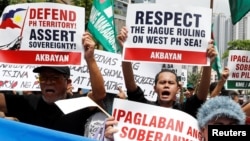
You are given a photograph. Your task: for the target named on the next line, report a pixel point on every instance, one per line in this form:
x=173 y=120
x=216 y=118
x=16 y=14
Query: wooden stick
x=106 y=113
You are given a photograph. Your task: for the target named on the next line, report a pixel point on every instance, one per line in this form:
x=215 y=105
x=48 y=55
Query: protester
x=217 y=87
x=234 y=95
x=190 y=90
x=166 y=86
x=166 y=83
x=40 y=110
x=219 y=110
x=189 y=93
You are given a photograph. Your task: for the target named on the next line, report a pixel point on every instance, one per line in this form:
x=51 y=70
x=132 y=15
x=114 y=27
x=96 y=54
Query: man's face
x=53 y=85
x=189 y=92
x=166 y=87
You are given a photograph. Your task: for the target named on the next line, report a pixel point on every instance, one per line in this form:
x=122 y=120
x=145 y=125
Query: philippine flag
x=7 y=19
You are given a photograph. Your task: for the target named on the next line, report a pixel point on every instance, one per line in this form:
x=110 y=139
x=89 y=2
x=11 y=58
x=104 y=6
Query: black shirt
x=191 y=105
x=32 y=109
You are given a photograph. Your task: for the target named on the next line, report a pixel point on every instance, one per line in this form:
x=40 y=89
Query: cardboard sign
x=145 y=122
x=173 y=34
x=42 y=33
x=239 y=69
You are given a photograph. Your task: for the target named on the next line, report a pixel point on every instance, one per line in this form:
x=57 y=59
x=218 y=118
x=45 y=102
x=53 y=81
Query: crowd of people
x=39 y=109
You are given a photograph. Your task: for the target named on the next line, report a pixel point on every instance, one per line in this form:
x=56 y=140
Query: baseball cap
x=220 y=106
x=190 y=86
x=61 y=69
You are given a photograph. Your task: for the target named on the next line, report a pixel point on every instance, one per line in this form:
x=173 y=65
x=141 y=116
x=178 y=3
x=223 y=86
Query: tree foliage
x=236 y=45
x=3 y=4
x=87 y=4
x=194 y=78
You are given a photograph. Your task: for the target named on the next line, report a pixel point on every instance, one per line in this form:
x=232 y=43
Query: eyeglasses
x=52 y=79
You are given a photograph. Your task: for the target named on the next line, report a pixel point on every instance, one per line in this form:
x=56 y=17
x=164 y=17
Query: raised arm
x=220 y=83
x=96 y=79
x=203 y=87
x=127 y=69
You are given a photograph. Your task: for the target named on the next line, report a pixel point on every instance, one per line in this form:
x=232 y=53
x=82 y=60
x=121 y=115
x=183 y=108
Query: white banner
x=145 y=122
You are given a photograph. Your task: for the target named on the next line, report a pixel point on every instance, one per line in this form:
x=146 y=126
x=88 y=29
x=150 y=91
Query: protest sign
x=144 y=75
x=145 y=122
x=110 y=67
x=73 y=104
x=42 y=33
x=239 y=66
x=173 y=34
x=173 y=67
x=18 y=77
x=21 y=77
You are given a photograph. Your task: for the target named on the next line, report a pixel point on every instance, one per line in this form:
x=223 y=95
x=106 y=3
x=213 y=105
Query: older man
x=40 y=110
